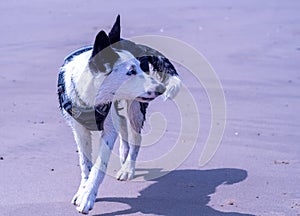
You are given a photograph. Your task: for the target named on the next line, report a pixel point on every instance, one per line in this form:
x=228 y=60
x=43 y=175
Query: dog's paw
x=80 y=191
x=74 y=199
x=84 y=200
x=124 y=175
x=126 y=172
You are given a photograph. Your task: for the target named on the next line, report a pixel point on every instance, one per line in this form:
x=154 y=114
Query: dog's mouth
x=149 y=96
x=145 y=99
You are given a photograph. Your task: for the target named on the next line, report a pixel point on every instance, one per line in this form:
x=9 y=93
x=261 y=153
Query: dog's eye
x=132 y=71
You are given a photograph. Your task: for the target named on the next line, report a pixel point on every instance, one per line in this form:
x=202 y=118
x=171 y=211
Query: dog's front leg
x=84 y=147
x=123 y=130
x=86 y=199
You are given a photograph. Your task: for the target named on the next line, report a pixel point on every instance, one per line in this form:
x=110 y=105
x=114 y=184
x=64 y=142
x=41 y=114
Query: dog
x=106 y=88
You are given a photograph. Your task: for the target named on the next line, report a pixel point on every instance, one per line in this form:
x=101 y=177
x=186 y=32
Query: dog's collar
x=90 y=117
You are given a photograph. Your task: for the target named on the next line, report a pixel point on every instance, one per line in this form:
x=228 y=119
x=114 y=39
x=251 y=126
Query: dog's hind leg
x=86 y=199
x=84 y=147
x=135 y=119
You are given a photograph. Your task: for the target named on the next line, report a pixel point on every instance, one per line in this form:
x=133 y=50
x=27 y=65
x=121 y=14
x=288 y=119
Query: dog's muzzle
x=151 y=95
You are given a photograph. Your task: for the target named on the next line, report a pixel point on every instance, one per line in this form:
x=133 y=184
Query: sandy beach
x=254 y=49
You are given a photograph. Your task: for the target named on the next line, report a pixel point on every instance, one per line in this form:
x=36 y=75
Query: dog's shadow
x=180 y=192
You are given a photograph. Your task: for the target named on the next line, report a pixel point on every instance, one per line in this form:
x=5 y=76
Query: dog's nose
x=158 y=93
x=160 y=90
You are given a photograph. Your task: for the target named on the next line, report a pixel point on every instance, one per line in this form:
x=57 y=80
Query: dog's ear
x=115 y=32
x=101 y=42
x=103 y=55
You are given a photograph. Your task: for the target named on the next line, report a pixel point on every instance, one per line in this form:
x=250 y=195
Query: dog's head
x=124 y=76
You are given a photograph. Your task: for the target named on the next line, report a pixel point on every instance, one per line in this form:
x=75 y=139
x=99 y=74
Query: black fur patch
x=144 y=63
x=102 y=53
x=76 y=53
x=143 y=108
x=101 y=113
x=115 y=32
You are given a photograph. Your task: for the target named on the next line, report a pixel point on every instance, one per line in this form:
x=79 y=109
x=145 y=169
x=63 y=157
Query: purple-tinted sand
x=254 y=48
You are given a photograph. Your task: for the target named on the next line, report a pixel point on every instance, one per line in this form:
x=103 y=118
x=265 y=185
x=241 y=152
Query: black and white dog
x=106 y=88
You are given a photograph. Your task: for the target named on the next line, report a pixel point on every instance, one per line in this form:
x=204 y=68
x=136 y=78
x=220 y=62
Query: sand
x=253 y=47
